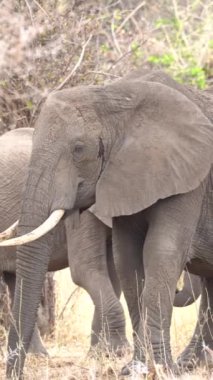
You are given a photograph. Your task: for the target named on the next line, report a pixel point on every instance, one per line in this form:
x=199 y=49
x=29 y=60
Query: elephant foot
x=15 y=363
x=135 y=368
x=107 y=351
x=193 y=357
x=38 y=350
x=117 y=348
x=110 y=345
x=36 y=344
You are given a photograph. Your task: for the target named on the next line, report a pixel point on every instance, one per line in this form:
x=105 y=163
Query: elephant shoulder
x=15 y=151
x=18 y=140
x=19 y=134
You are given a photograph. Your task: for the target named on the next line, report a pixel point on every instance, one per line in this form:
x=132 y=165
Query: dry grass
x=68 y=349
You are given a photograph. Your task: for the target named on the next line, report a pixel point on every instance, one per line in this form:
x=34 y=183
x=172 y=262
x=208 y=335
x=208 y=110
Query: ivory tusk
x=45 y=227
x=8 y=233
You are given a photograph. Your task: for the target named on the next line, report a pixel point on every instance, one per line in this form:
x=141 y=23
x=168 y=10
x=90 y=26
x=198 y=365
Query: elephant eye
x=79 y=150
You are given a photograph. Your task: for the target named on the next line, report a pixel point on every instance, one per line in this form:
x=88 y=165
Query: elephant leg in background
x=127 y=250
x=96 y=327
x=4 y=305
x=111 y=269
x=190 y=292
x=36 y=344
x=198 y=350
x=88 y=263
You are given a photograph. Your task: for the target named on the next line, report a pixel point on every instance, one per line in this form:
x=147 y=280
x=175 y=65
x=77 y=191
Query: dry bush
x=41 y=42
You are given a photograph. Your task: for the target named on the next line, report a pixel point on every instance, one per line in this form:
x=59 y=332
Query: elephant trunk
x=51 y=185
x=32 y=264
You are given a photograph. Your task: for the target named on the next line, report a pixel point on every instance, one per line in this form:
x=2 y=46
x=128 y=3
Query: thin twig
x=128 y=52
x=79 y=366
x=174 y=52
x=130 y=15
x=137 y=27
x=116 y=44
x=178 y=18
x=77 y=65
x=103 y=73
x=41 y=8
x=68 y=300
x=30 y=11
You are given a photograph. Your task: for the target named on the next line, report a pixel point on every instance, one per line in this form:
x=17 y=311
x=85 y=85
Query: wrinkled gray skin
x=14 y=160
x=140 y=152
x=15 y=149
x=201 y=263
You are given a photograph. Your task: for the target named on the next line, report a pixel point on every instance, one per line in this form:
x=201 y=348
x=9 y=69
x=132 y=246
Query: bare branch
x=75 y=291
x=103 y=73
x=41 y=8
x=134 y=11
x=30 y=11
x=77 y=65
x=115 y=41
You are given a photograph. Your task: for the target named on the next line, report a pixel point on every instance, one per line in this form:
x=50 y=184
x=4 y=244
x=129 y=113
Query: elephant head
x=118 y=148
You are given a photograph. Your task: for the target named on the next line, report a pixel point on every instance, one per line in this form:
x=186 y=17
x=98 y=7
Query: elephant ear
x=165 y=147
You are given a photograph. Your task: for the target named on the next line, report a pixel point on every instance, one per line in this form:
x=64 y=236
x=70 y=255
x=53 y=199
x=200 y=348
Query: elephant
x=14 y=175
x=138 y=152
x=15 y=150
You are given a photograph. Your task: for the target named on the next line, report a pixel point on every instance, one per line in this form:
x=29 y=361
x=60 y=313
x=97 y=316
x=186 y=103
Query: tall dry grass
x=68 y=349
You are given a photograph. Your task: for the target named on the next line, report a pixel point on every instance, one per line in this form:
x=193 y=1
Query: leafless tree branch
x=77 y=65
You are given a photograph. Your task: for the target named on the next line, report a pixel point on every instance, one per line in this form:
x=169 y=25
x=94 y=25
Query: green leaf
x=29 y=104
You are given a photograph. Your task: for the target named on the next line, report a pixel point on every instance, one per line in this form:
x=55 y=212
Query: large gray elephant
x=14 y=159
x=139 y=150
x=15 y=150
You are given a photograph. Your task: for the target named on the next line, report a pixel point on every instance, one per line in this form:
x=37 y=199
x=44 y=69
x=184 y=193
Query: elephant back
x=203 y=99
x=15 y=151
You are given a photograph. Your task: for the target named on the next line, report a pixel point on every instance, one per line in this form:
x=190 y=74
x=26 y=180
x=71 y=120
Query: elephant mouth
x=37 y=233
